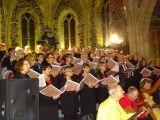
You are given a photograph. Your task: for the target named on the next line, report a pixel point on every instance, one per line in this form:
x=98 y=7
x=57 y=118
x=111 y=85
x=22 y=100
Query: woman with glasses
x=69 y=99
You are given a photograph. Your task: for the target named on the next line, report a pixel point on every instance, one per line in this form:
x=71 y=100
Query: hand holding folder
x=52 y=91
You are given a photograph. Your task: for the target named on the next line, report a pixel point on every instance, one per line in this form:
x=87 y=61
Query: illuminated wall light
x=114 y=38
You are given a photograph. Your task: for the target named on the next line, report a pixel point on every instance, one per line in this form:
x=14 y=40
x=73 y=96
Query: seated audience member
x=110 y=109
x=147 y=91
x=130 y=102
x=146 y=87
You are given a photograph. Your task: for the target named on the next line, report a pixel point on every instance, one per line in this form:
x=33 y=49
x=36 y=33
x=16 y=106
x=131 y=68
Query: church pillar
x=0 y=22
x=139 y=16
x=131 y=7
x=157 y=46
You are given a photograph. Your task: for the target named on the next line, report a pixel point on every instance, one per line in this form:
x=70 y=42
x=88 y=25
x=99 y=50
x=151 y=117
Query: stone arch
x=60 y=25
x=63 y=9
x=35 y=17
x=21 y=8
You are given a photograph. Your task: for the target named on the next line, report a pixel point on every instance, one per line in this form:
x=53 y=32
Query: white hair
x=112 y=89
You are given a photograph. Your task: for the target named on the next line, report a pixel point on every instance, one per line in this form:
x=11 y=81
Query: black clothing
x=123 y=76
x=101 y=92
x=88 y=106
x=133 y=61
x=2 y=53
x=48 y=108
x=38 y=68
x=19 y=75
x=77 y=55
x=9 y=64
x=69 y=102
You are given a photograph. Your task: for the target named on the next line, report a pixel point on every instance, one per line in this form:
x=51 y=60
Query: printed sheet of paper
x=111 y=63
x=33 y=74
x=146 y=72
x=51 y=91
x=110 y=80
x=90 y=80
x=71 y=85
x=56 y=68
x=115 y=68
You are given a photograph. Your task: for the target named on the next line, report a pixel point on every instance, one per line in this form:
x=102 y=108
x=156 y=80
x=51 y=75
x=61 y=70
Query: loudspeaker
x=19 y=99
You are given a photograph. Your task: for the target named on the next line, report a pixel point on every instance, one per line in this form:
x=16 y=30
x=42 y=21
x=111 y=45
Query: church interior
x=89 y=22
x=120 y=27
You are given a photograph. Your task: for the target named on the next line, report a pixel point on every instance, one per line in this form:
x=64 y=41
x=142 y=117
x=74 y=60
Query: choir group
x=77 y=81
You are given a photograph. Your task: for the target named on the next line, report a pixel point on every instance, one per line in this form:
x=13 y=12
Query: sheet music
x=33 y=74
x=52 y=91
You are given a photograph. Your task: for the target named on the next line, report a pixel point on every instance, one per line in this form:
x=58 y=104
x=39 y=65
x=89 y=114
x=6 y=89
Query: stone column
x=139 y=14
x=157 y=46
